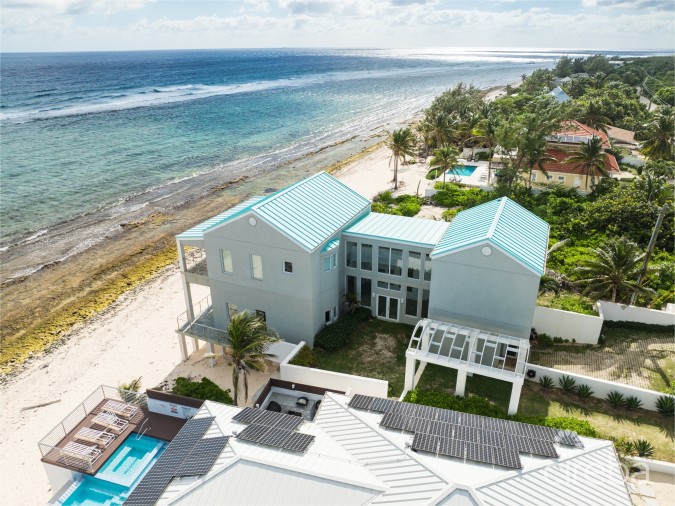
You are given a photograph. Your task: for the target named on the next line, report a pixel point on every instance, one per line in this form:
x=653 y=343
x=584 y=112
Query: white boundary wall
x=331 y=380
x=613 y=312
x=582 y=328
x=600 y=387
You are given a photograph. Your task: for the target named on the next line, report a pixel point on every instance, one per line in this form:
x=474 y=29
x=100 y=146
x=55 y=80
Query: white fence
x=582 y=328
x=613 y=312
x=331 y=380
x=600 y=387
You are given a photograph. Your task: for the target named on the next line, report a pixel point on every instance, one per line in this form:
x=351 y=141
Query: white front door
x=387 y=307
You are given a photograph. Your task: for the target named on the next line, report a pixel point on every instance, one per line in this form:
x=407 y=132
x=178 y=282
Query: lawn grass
x=377 y=350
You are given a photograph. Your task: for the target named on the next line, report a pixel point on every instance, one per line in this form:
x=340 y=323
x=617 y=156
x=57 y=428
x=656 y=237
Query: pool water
x=465 y=171
x=119 y=475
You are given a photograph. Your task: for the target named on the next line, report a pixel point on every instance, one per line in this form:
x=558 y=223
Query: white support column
x=212 y=348
x=195 y=344
x=461 y=382
x=187 y=292
x=515 y=396
x=409 y=383
x=183 y=346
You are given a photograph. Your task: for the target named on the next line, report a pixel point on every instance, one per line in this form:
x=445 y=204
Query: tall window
x=427 y=268
x=389 y=261
x=256 y=267
x=414 y=264
x=261 y=314
x=231 y=310
x=396 y=262
x=411 y=296
x=366 y=257
x=351 y=254
x=226 y=260
x=425 y=303
x=383 y=260
x=326 y=264
x=351 y=284
x=366 y=291
x=334 y=260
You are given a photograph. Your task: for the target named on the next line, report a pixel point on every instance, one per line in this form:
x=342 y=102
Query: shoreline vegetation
x=41 y=310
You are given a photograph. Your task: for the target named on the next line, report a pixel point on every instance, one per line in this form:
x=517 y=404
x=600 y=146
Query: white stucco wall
x=558 y=323
x=613 y=312
x=600 y=387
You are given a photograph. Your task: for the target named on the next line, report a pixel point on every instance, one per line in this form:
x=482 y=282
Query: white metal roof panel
x=402 y=229
x=197 y=232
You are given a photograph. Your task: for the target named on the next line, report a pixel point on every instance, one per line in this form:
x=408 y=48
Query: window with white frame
x=427 y=267
x=389 y=261
x=288 y=267
x=367 y=257
x=414 y=264
x=326 y=264
x=226 y=260
x=231 y=310
x=561 y=178
x=351 y=255
x=334 y=260
x=256 y=267
x=533 y=176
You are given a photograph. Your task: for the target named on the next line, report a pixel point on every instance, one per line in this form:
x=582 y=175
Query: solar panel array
x=273 y=429
x=187 y=455
x=465 y=435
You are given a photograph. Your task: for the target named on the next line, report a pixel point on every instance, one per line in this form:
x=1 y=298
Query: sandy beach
x=133 y=337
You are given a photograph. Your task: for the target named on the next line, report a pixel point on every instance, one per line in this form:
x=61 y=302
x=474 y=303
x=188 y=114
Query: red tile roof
x=574 y=128
x=611 y=166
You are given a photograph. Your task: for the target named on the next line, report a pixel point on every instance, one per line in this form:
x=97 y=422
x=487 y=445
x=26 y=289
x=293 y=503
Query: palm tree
x=613 y=270
x=248 y=340
x=486 y=133
x=537 y=157
x=591 y=158
x=425 y=131
x=444 y=159
x=593 y=116
x=659 y=143
x=440 y=129
x=401 y=142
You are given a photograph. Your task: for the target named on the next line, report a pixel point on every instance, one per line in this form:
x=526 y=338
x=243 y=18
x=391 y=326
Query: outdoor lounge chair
x=110 y=422
x=97 y=437
x=121 y=409
x=77 y=454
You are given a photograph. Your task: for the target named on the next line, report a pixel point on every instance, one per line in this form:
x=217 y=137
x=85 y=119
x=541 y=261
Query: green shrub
x=645 y=327
x=558 y=340
x=449 y=214
x=643 y=448
x=615 y=398
x=670 y=390
x=204 y=389
x=335 y=336
x=568 y=384
x=666 y=405
x=633 y=402
x=409 y=208
x=544 y=339
x=624 y=446
x=385 y=197
x=584 y=392
x=571 y=302
x=305 y=357
x=546 y=382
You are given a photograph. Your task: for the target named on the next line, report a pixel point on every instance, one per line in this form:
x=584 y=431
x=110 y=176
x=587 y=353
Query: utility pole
x=650 y=248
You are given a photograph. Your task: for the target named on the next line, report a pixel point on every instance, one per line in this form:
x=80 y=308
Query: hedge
x=335 y=336
x=205 y=389
x=305 y=357
x=646 y=327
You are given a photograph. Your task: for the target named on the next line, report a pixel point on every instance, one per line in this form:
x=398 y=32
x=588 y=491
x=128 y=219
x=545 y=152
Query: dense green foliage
x=403 y=205
x=335 y=336
x=666 y=405
x=305 y=357
x=204 y=389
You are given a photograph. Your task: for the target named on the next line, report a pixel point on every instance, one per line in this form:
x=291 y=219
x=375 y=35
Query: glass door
x=387 y=307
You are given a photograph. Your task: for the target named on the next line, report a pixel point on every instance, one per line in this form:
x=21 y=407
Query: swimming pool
x=465 y=171
x=119 y=475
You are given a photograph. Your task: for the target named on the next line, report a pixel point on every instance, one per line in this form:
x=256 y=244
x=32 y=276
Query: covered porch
x=469 y=351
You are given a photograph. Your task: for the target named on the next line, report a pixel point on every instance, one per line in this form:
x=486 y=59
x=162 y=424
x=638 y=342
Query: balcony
x=196 y=269
x=202 y=326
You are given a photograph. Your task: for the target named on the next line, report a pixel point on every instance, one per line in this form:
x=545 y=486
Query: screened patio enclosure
x=470 y=351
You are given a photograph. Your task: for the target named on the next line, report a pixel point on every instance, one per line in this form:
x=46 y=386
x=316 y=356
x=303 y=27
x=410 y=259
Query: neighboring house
x=292 y=256
x=622 y=138
x=560 y=96
x=561 y=144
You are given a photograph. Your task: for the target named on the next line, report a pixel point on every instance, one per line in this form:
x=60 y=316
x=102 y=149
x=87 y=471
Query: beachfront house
x=560 y=146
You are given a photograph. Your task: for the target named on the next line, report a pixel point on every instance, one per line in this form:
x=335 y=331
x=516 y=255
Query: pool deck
x=156 y=425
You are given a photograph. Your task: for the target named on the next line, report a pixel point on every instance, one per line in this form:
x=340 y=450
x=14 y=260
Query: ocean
x=91 y=140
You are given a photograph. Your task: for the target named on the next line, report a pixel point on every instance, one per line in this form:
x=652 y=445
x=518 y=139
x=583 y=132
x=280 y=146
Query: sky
x=108 y=25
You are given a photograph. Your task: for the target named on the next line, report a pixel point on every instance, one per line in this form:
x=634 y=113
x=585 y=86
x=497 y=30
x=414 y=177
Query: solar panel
x=416 y=424
x=441 y=429
x=425 y=443
x=274 y=437
x=394 y=421
x=201 y=458
x=451 y=447
x=361 y=401
x=543 y=448
x=506 y=458
x=247 y=415
x=298 y=442
x=492 y=438
x=407 y=409
x=253 y=432
x=426 y=412
x=288 y=422
x=448 y=416
x=479 y=453
x=381 y=405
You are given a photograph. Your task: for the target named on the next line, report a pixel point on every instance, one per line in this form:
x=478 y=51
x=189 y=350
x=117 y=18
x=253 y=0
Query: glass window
x=327 y=316
x=231 y=310
x=226 y=260
x=261 y=314
x=334 y=313
x=414 y=264
x=383 y=260
x=383 y=284
x=288 y=267
x=256 y=267
x=326 y=264
x=561 y=178
x=396 y=262
x=427 y=268
x=366 y=291
x=351 y=284
x=395 y=287
x=351 y=254
x=334 y=260
x=412 y=294
x=533 y=176
x=425 y=303
x=367 y=257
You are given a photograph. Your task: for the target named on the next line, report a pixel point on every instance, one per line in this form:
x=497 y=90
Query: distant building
x=560 y=96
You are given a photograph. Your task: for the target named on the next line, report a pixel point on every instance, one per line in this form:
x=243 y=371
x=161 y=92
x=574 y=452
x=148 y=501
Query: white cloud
x=662 y=5
x=77 y=6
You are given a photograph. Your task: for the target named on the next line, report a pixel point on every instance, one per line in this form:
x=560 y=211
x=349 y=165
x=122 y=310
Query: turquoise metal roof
x=330 y=245
x=401 y=229
x=197 y=232
x=509 y=226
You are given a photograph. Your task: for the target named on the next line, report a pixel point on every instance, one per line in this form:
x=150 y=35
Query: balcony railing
x=202 y=326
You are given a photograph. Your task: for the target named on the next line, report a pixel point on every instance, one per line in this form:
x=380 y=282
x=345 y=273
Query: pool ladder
x=141 y=432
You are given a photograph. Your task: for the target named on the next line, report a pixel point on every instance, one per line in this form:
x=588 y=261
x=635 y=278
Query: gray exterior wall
x=376 y=276
x=492 y=292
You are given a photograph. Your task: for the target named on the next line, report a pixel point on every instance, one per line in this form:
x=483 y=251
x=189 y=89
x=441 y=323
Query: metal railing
x=195 y=261
x=202 y=326
x=50 y=441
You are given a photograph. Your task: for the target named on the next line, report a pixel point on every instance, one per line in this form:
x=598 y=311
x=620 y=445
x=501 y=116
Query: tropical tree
x=401 y=142
x=444 y=159
x=591 y=114
x=486 y=133
x=612 y=270
x=659 y=143
x=440 y=128
x=248 y=341
x=590 y=157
